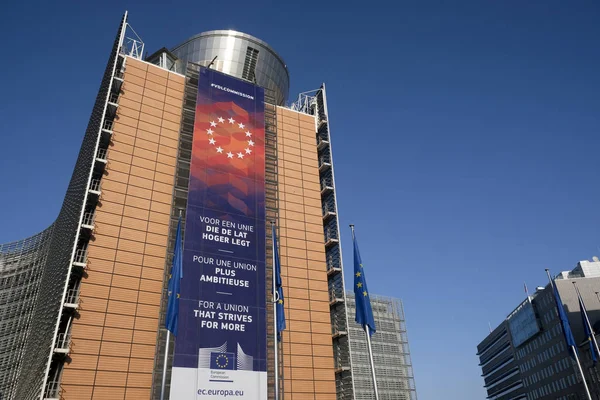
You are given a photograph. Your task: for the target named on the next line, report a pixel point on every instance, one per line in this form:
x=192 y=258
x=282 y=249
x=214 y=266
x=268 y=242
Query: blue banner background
x=228 y=189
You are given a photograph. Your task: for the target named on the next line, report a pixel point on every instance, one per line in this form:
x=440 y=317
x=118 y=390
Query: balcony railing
x=328 y=207
x=63 y=343
x=114 y=98
x=332 y=256
x=321 y=143
x=338 y=326
x=101 y=154
x=108 y=125
x=95 y=185
x=72 y=298
x=324 y=163
x=53 y=390
x=88 y=219
x=331 y=236
x=335 y=297
x=80 y=257
x=333 y=270
x=326 y=187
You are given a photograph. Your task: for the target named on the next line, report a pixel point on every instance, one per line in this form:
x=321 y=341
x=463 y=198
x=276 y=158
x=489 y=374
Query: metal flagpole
x=164 y=376
x=372 y=363
x=366 y=328
x=588 y=321
x=275 y=299
x=587 y=390
x=573 y=349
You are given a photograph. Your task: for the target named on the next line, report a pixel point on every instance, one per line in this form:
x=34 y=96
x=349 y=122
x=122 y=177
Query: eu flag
x=175 y=284
x=587 y=328
x=278 y=288
x=564 y=320
x=364 y=312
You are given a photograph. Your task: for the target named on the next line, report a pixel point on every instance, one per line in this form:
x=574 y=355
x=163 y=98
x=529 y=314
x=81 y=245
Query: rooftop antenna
x=212 y=62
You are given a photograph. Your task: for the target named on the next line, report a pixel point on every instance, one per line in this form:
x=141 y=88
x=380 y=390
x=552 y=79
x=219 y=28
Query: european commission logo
x=219 y=358
x=222 y=360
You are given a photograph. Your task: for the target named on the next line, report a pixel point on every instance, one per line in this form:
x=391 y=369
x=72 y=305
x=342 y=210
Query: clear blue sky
x=465 y=135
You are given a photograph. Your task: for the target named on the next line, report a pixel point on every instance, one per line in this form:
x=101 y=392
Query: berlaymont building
x=202 y=133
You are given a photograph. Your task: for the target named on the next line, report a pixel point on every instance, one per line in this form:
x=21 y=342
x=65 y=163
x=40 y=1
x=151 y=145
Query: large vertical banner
x=221 y=349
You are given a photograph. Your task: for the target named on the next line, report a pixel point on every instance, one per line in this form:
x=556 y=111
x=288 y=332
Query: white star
x=209 y=131
x=219 y=150
x=250 y=142
x=213 y=123
x=230 y=155
x=240 y=155
x=248 y=134
x=241 y=126
x=248 y=151
x=231 y=120
x=212 y=141
x=221 y=120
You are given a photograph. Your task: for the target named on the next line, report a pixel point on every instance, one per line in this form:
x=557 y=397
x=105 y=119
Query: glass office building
x=527 y=357
x=391 y=355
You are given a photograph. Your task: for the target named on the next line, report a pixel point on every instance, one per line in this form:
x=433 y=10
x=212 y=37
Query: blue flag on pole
x=364 y=312
x=562 y=315
x=279 y=289
x=587 y=328
x=175 y=284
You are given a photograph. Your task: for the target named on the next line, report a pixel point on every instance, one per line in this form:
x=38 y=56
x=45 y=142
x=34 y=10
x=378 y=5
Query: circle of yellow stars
x=222 y=357
x=219 y=149
x=359 y=284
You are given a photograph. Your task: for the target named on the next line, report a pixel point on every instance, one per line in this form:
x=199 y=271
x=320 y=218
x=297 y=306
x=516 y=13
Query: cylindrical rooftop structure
x=240 y=55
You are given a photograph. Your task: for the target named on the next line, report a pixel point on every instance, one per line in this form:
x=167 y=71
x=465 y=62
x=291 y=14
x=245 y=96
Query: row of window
x=550 y=315
x=553 y=387
x=539 y=341
x=549 y=371
x=544 y=356
x=545 y=301
x=552 y=351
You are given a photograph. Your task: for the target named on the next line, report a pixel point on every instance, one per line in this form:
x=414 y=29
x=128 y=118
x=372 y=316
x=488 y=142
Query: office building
x=500 y=371
x=391 y=355
x=84 y=302
x=527 y=355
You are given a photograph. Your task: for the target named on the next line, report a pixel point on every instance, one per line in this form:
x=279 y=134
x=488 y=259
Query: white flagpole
x=573 y=349
x=585 y=385
x=366 y=329
x=587 y=320
x=372 y=363
x=275 y=299
x=164 y=375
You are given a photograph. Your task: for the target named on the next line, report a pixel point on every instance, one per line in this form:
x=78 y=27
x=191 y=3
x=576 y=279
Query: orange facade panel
x=114 y=338
x=308 y=338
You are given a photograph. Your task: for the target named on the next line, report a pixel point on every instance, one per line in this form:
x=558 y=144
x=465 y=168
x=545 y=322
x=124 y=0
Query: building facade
x=500 y=370
x=391 y=355
x=21 y=268
x=88 y=295
x=531 y=338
